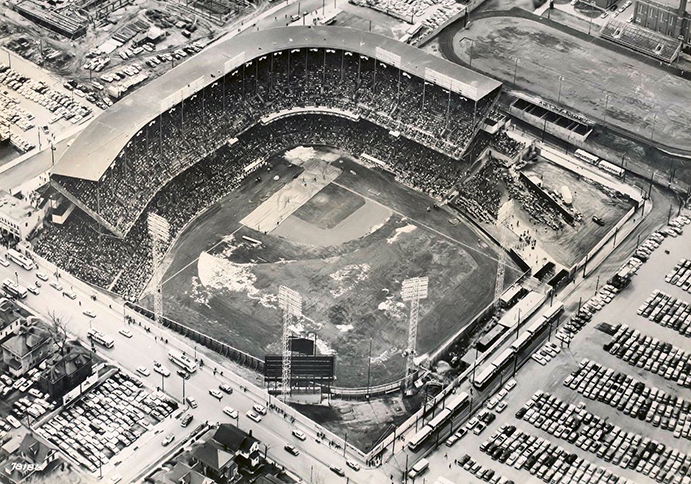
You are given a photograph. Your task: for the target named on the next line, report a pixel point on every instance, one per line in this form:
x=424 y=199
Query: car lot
x=608 y=441
x=632 y=397
x=644 y=351
x=106 y=420
x=627 y=403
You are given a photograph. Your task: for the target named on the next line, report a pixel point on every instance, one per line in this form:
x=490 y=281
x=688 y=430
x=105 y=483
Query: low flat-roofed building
x=18 y=217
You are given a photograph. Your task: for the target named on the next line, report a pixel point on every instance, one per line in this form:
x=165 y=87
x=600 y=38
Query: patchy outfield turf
x=351 y=291
x=637 y=91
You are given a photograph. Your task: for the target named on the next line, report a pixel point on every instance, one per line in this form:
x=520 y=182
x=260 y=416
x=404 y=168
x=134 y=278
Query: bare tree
x=58 y=330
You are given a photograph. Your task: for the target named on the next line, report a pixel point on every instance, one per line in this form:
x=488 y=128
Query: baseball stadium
x=311 y=157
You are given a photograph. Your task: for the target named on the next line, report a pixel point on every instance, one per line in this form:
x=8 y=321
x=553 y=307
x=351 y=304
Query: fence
x=237 y=356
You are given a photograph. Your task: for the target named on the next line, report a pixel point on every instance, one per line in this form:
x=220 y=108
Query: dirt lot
x=351 y=291
x=640 y=95
x=362 y=18
x=572 y=243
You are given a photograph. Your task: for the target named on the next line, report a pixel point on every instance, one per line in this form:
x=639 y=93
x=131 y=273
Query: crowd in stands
x=83 y=248
x=480 y=194
x=424 y=113
x=506 y=145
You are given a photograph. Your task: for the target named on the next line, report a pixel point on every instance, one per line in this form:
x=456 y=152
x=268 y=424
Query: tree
x=58 y=331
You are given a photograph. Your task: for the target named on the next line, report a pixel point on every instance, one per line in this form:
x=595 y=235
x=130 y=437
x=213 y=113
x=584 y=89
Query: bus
x=420 y=437
x=587 y=157
x=183 y=361
x=20 y=259
x=101 y=338
x=419 y=467
x=14 y=289
x=611 y=168
x=459 y=402
x=440 y=419
x=553 y=312
x=483 y=378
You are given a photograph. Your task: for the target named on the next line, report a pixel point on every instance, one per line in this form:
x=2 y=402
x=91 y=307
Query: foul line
x=448 y=237
x=197 y=258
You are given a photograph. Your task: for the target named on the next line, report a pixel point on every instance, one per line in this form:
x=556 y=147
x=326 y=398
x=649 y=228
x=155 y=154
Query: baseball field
x=344 y=237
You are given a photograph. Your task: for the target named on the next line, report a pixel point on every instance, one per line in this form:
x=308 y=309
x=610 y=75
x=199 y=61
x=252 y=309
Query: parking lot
x=106 y=420
x=605 y=402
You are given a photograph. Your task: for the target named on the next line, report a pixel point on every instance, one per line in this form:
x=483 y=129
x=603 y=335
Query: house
x=33 y=456
x=66 y=372
x=31 y=345
x=182 y=474
x=215 y=462
x=242 y=445
x=10 y=318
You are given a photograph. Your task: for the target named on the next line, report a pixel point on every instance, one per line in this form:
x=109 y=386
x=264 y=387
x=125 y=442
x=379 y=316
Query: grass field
x=226 y=286
x=642 y=99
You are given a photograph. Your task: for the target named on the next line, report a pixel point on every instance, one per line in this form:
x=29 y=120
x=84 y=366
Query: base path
x=269 y=215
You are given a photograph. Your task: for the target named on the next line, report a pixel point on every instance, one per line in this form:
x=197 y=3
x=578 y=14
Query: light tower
x=159 y=231
x=502 y=216
x=413 y=290
x=291 y=303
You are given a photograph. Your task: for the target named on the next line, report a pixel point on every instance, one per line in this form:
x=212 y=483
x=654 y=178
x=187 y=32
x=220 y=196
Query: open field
x=643 y=99
x=226 y=286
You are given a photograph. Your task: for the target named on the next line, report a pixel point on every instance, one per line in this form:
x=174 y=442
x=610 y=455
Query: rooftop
x=97 y=146
x=26 y=341
x=15 y=208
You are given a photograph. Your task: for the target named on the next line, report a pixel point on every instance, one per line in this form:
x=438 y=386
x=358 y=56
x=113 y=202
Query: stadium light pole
x=515 y=70
x=652 y=132
x=159 y=231
x=290 y=302
x=413 y=290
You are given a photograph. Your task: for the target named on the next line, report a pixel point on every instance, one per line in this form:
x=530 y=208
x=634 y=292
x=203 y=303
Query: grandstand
x=640 y=39
x=119 y=163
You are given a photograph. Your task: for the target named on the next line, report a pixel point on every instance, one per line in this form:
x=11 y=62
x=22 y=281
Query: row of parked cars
x=545 y=354
x=680 y=275
x=667 y=311
x=548 y=462
x=608 y=441
x=106 y=420
x=651 y=354
x=481 y=472
x=60 y=104
x=633 y=398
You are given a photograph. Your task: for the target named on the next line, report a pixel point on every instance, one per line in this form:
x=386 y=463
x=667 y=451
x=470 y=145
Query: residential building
x=10 y=318
x=33 y=456
x=31 y=345
x=215 y=462
x=242 y=445
x=183 y=474
x=64 y=373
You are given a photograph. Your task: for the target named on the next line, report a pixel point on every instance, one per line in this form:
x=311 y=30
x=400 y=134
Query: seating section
x=641 y=40
x=82 y=247
x=419 y=111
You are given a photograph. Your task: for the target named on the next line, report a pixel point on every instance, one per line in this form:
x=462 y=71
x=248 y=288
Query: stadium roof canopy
x=97 y=146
